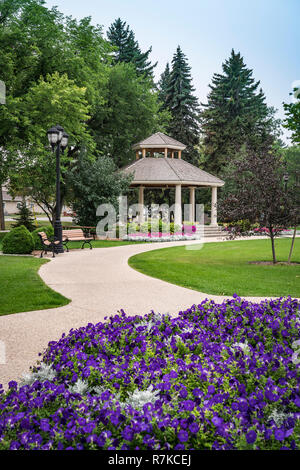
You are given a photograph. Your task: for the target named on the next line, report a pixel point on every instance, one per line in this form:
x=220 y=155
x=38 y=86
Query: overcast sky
x=266 y=32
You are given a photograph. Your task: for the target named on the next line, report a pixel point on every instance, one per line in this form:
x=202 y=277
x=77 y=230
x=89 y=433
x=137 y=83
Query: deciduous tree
x=95 y=183
x=255 y=191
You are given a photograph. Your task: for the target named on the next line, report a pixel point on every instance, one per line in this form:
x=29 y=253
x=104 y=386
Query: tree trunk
x=292 y=245
x=2 y=220
x=273 y=246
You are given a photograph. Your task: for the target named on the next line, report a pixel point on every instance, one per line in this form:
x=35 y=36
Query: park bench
x=48 y=245
x=75 y=235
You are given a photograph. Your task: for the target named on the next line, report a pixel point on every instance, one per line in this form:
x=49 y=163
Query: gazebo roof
x=159 y=141
x=168 y=171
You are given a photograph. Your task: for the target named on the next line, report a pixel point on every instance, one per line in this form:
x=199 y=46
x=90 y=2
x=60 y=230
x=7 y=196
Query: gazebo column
x=192 y=204
x=214 y=198
x=141 y=204
x=178 y=215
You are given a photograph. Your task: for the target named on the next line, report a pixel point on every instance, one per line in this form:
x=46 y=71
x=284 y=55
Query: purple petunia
x=251 y=437
x=279 y=435
x=194 y=428
x=188 y=405
x=183 y=436
x=153 y=382
x=127 y=433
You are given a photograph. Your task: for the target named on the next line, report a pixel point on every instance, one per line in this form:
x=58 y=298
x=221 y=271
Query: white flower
x=243 y=346
x=139 y=398
x=80 y=386
x=44 y=373
x=279 y=416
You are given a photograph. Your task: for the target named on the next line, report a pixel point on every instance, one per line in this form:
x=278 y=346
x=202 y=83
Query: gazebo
x=159 y=164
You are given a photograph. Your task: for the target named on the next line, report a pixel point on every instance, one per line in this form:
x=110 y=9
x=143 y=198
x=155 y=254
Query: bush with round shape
x=18 y=241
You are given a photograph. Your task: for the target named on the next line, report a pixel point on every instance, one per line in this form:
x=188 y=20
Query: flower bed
x=160 y=237
x=257 y=231
x=219 y=376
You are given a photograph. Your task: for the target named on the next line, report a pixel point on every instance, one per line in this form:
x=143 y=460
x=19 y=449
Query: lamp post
x=286 y=179
x=58 y=139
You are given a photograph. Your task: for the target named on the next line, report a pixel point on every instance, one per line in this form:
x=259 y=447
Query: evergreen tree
x=24 y=217
x=163 y=85
x=236 y=114
x=183 y=105
x=128 y=50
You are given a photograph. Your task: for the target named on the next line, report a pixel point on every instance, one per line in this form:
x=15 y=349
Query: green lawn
x=224 y=269
x=95 y=244
x=40 y=223
x=22 y=289
x=100 y=244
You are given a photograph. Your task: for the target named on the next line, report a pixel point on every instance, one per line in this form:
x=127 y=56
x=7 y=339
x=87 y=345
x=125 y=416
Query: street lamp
x=286 y=179
x=59 y=139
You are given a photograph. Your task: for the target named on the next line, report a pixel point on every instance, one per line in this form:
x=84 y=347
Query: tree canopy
x=95 y=183
x=235 y=114
x=177 y=95
x=255 y=192
x=59 y=70
x=292 y=121
x=127 y=49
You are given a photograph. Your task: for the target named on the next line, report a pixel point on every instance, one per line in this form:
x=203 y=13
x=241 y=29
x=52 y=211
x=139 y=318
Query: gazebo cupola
x=158 y=143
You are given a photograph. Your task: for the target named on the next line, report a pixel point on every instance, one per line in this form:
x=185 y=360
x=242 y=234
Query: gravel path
x=99 y=282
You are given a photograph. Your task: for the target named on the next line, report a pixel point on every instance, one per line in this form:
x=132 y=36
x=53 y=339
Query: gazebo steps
x=210 y=230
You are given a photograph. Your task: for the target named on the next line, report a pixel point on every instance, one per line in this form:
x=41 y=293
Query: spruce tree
x=163 y=85
x=183 y=105
x=25 y=217
x=128 y=50
x=236 y=115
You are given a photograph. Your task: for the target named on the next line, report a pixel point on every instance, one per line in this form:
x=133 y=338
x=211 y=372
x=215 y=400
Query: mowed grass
x=22 y=289
x=224 y=269
x=100 y=244
x=40 y=223
x=95 y=244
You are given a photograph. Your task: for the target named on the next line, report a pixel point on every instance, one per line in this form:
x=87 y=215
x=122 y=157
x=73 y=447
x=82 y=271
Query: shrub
x=18 y=241
x=174 y=228
x=159 y=226
x=132 y=227
x=219 y=376
x=2 y=235
x=36 y=238
x=241 y=225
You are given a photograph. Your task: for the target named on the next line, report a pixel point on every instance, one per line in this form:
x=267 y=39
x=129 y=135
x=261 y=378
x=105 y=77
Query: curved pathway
x=99 y=282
